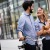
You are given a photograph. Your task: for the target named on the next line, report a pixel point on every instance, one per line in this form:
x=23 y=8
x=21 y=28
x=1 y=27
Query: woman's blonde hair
x=45 y=14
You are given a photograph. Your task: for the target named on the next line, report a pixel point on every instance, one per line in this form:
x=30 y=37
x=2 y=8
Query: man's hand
x=21 y=37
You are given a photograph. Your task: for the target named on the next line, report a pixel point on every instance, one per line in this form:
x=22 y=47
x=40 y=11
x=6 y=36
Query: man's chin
x=31 y=11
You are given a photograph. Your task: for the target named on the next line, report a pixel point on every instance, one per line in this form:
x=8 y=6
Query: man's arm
x=20 y=27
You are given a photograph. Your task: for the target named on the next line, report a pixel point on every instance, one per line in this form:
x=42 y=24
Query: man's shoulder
x=22 y=17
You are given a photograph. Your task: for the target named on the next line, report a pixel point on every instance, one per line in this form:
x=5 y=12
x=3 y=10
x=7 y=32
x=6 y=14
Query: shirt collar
x=27 y=14
x=40 y=21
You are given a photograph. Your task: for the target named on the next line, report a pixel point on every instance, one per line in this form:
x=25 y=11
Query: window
x=20 y=2
x=20 y=10
x=17 y=14
x=43 y=5
x=0 y=7
x=15 y=3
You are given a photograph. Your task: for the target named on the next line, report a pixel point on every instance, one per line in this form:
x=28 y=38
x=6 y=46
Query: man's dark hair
x=26 y=4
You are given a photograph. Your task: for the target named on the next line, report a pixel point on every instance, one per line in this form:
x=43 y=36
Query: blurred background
x=10 y=11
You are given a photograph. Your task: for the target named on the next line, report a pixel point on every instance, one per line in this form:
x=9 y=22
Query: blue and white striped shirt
x=27 y=27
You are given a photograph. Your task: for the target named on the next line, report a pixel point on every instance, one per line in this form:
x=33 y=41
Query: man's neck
x=27 y=11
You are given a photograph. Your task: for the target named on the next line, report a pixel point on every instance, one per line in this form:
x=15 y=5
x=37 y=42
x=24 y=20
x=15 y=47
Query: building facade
x=10 y=11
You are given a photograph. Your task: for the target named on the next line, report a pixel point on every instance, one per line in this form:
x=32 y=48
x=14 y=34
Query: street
x=10 y=44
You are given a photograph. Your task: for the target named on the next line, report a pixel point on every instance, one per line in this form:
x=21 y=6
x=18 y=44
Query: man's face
x=31 y=8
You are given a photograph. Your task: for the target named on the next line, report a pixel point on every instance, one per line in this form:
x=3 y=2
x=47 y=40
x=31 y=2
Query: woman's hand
x=48 y=31
x=40 y=32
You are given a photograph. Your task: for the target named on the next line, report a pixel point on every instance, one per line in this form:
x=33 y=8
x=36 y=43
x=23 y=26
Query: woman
x=40 y=22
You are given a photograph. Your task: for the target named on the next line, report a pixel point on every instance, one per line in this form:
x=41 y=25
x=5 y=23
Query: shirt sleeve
x=21 y=23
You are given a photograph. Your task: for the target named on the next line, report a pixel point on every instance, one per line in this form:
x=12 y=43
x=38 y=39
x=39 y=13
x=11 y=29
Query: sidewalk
x=10 y=44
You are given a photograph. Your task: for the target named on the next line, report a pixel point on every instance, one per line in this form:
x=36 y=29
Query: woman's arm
x=40 y=32
x=48 y=31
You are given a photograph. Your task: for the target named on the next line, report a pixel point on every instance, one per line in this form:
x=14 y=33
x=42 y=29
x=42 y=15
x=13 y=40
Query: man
x=26 y=27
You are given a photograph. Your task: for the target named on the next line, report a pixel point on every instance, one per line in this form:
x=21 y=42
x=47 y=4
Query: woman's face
x=40 y=12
